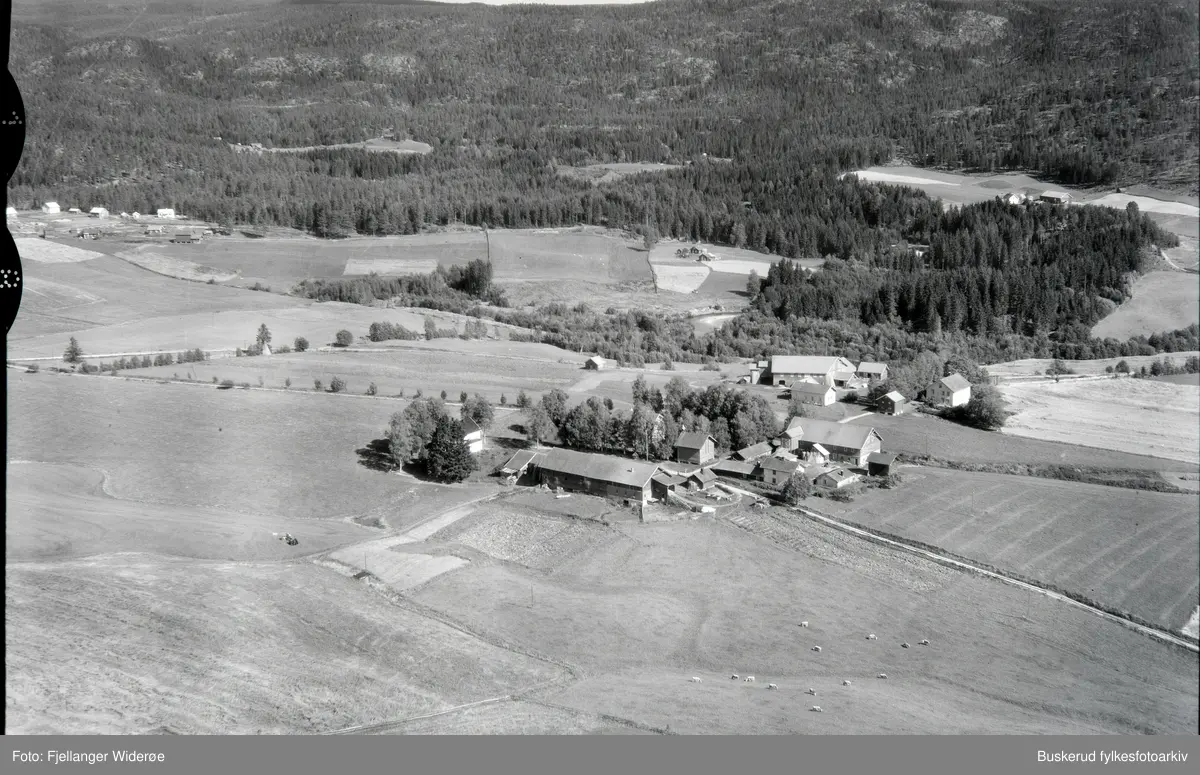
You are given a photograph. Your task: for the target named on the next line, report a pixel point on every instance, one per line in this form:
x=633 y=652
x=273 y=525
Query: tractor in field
x=289 y=539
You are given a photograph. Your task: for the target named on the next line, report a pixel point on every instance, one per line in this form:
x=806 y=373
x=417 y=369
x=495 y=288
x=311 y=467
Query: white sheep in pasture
x=816 y=709
x=749 y=679
x=817 y=649
x=803 y=624
x=695 y=679
x=923 y=643
x=883 y=675
x=871 y=636
x=772 y=686
x=845 y=683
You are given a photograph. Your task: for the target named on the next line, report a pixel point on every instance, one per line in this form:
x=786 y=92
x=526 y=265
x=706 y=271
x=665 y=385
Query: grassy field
x=1136 y=551
x=920 y=434
x=597 y=174
x=406 y=369
x=723 y=279
x=290 y=454
x=1034 y=367
x=640 y=613
x=129 y=645
x=1139 y=416
x=1161 y=301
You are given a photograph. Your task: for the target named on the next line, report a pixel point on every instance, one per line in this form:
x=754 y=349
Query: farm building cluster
x=821 y=380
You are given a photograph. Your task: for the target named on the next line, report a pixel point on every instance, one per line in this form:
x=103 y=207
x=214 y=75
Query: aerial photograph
x=677 y=367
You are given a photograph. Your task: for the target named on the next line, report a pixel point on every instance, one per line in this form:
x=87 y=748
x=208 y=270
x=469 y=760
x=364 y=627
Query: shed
x=98 y=212
x=75 y=210
x=734 y=469
x=595 y=362
x=753 y=452
x=872 y=370
x=880 y=463
x=836 y=479
x=701 y=480
x=154 y=230
x=1055 y=197
x=185 y=239
x=892 y=403
x=813 y=393
x=472 y=435
x=663 y=483
x=51 y=207
x=695 y=447
x=164 y=212
x=518 y=464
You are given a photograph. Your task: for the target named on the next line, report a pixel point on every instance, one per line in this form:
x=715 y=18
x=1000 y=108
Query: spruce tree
x=449 y=459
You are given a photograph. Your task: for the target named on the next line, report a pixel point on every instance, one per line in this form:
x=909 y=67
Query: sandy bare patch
x=1192 y=628
x=680 y=279
x=390 y=266
x=1129 y=415
x=1161 y=301
x=46 y=252
x=1145 y=204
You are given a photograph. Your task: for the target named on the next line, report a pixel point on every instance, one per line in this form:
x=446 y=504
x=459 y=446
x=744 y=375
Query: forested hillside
x=126 y=106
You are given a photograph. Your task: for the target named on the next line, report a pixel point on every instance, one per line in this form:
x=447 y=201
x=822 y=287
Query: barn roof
x=520 y=460
x=601 y=468
x=837 y=475
x=754 y=451
x=703 y=475
x=469 y=425
x=693 y=439
x=808 y=364
x=670 y=480
x=882 y=458
x=955 y=382
x=833 y=434
x=779 y=464
x=871 y=367
x=733 y=467
x=895 y=396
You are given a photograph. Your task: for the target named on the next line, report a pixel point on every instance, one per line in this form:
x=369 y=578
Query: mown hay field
x=1161 y=301
x=1134 y=551
x=642 y=613
x=289 y=454
x=1140 y=416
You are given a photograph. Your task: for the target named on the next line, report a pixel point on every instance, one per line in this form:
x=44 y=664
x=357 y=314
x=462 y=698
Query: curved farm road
x=1153 y=632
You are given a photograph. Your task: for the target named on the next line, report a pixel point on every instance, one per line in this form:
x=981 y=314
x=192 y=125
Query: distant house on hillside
x=98 y=212
x=595 y=362
x=892 y=403
x=51 y=208
x=603 y=475
x=950 y=391
x=1015 y=198
x=1055 y=197
x=812 y=393
x=472 y=435
x=164 y=212
x=695 y=448
x=788 y=369
x=877 y=372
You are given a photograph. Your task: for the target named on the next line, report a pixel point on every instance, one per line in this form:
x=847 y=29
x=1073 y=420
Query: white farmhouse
x=950 y=391
x=51 y=207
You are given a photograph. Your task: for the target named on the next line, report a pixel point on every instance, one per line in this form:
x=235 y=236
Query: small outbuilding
x=701 y=480
x=516 y=466
x=154 y=230
x=892 y=403
x=753 y=452
x=695 y=448
x=776 y=471
x=472 y=435
x=1055 y=197
x=51 y=208
x=814 y=393
x=876 y=372
x=835 y=479
x=595 y=362
x=98 y=212
x=164 y=212
x=880 y=463
x=734 y=469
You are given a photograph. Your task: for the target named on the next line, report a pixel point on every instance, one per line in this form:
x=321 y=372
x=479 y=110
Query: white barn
x=789 y=369
x=98 y=212
x=950 y=391
x=51 y=207
x=813 y=393
x=165 y=212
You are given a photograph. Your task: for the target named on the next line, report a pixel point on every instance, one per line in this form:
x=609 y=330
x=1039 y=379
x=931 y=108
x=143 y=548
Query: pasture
x=395 y=370
x=133 y=644
x=921 y=434
x=1139 y=416
x=1036 y=367
x=375 y=144
x=723 y=278
x=597 y=174
x=639 y=612
x=173 y=267
x=1161 y=301
x=1134 y=551
x=292 y=454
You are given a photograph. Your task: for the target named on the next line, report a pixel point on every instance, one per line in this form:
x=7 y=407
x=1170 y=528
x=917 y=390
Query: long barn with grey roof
x=603 y=475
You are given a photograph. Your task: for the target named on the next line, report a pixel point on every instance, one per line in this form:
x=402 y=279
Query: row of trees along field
x=1078 y=92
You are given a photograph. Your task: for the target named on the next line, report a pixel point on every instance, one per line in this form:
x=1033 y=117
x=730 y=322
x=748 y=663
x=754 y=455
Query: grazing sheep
x=695 y=680
x=817 y=649
x=903 y=645
x=923 y=643
x=845 y=683
x=734 y=677
x=749 y=679
x=871 y=636
x=772 y=686
x=883 y=675
x=803 y=624
x=816 y=709
x=811 y=691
